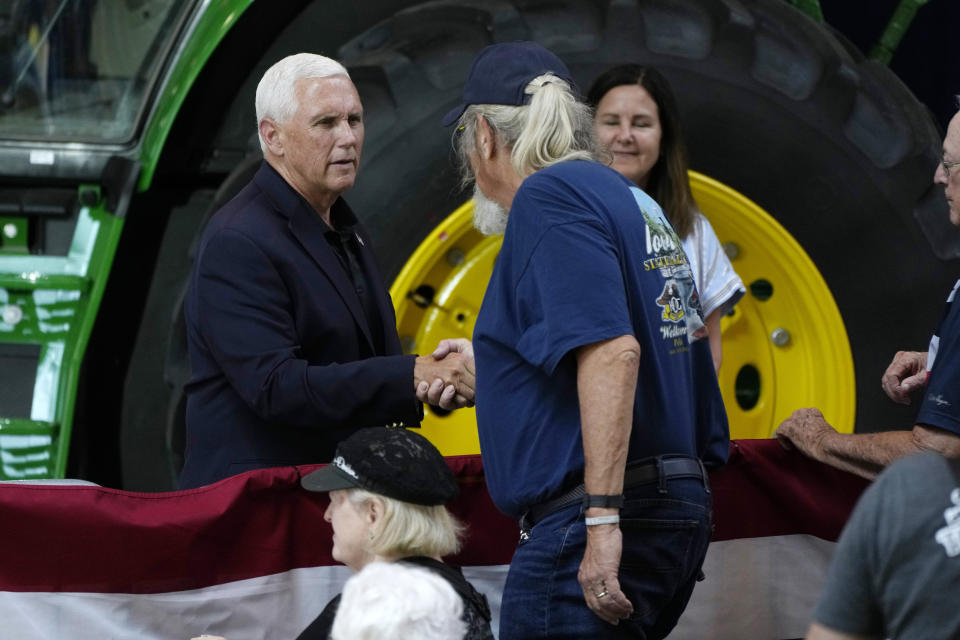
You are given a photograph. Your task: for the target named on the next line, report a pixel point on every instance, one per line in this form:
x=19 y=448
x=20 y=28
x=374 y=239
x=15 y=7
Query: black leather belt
x=637 y=473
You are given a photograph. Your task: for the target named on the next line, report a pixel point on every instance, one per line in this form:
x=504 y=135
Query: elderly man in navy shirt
x=598 y=408
x=935 y=373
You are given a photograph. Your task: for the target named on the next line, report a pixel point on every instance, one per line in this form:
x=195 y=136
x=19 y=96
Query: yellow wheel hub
x=784 y=344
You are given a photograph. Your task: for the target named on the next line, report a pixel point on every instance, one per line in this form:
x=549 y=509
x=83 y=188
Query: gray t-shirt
x=896 y=569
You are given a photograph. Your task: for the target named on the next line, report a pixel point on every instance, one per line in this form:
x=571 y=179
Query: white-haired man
x=290 y=329
x=598 y=407
x=935 y=372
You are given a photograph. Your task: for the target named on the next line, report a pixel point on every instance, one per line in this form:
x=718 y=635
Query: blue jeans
x=665 y=538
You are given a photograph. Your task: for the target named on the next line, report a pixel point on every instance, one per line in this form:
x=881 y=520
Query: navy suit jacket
x=282 y=358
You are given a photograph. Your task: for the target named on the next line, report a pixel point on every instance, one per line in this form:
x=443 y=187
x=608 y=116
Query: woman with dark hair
x=637 y=121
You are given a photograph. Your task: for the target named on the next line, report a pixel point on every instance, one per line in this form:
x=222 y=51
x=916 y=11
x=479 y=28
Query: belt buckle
x=661 y=477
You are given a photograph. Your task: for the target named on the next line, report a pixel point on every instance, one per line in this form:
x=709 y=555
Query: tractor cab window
x=81 y=70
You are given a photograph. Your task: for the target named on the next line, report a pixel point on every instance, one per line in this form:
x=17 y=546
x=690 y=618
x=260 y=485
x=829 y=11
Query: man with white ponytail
x=599 y=412
x=290 y=329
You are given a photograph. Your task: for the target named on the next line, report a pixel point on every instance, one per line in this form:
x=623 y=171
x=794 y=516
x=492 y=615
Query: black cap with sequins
x=396 y=463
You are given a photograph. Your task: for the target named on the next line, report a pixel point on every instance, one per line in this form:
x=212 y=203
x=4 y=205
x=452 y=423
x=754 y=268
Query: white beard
x=489 y=218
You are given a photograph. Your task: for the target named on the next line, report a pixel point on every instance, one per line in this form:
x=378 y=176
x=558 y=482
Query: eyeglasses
x=948 y=165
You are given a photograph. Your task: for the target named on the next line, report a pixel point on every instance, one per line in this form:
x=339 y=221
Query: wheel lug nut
x=455 y=257
x=780 y=337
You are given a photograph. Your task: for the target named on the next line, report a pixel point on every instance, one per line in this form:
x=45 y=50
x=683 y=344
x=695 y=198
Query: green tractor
x=125 y=124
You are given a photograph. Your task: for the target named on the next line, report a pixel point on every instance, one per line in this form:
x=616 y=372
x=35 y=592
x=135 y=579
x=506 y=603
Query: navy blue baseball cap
x=501 y=72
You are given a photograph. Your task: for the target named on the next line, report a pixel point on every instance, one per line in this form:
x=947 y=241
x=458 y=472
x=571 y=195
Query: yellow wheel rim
x=784 y=344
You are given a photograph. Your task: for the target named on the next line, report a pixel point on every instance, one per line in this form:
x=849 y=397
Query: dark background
x=928 y=58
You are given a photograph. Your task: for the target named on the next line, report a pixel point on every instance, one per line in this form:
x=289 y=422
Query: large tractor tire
x=826 y=158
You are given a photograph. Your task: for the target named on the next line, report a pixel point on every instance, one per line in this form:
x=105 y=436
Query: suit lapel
x=308 y=229
x=388 y=321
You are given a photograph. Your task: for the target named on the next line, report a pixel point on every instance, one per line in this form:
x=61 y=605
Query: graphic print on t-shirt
x=678 y=300
x=672 y=302
x=949 y=536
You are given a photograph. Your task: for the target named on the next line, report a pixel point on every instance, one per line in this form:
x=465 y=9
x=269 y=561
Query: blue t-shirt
x=587 y=257
x=941 y=403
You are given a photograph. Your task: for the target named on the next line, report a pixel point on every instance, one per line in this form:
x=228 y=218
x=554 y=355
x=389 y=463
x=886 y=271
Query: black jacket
x=282 y=355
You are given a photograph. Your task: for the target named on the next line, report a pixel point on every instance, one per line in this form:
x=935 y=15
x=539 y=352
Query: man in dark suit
x=291 y=331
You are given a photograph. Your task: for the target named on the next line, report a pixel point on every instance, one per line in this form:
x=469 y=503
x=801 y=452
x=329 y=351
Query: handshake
x=446 y=377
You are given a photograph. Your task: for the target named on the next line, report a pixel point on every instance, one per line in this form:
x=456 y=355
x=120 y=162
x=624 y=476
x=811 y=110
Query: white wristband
x=602 y=520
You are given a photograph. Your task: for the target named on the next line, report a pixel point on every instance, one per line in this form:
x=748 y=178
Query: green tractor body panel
x=49 y=307
x=49 y=303
x=210 y=26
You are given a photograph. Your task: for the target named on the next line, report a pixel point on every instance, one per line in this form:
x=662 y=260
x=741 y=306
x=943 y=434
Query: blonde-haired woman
x=387 y=491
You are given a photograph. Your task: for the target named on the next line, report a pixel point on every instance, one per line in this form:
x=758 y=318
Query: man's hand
x=805 y=430
x=445 y=378
x=453 y=345
x=599 y=571
x=906 y=374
